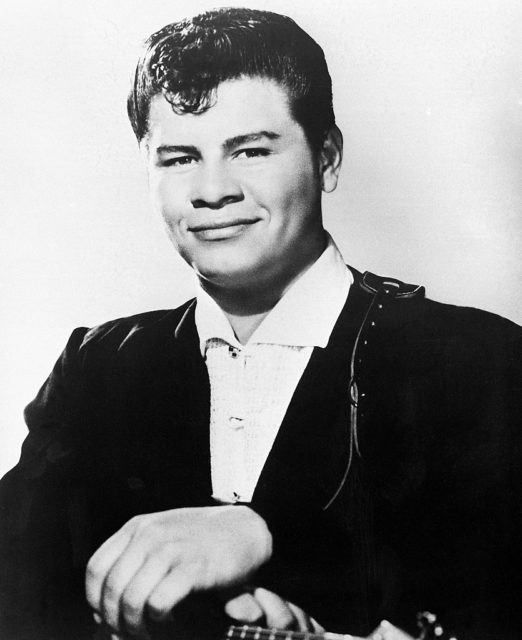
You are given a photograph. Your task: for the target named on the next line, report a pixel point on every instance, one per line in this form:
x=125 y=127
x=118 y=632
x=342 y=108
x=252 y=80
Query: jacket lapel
x=310 y=453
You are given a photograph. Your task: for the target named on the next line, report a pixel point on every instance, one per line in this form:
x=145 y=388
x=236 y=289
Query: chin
x=228 y=276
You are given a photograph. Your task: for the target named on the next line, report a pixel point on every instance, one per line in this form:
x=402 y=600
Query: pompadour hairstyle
x=186 y=61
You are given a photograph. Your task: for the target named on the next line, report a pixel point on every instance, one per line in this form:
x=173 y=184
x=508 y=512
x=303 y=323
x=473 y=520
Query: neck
x=246 y=305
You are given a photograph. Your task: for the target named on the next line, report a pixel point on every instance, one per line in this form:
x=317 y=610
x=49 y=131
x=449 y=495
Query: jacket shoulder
x=116 y=333
x=410 y=301
x=121 y=339
x=404 y=325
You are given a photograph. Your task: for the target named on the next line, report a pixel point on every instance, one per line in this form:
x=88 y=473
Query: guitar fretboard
x=259 y=633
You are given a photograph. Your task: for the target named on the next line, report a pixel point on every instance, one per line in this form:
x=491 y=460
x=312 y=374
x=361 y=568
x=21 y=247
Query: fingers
x=124 y=586
x=127 y=610
x=100 y=564
x=136 y=583
x=387 y=631
x=304 y=621
x=172 y=590
x=245 y=608
x=119 y=592
x=278 y=613
x=156 y=560
x=251 y=608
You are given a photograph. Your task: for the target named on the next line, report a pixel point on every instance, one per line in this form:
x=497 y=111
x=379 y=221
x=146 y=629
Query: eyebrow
x=237 y=141
x=176 y=148
x=228 y=145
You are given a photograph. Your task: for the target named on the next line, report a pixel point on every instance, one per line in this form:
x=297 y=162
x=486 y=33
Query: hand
x=156 y=560
x=265 y=608
x=386 y=631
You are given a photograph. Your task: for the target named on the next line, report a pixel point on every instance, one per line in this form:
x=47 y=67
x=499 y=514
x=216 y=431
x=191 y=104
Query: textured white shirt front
x=251 y=385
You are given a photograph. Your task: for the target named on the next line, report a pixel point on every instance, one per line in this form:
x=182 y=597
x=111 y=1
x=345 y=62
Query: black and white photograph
x=260 y=269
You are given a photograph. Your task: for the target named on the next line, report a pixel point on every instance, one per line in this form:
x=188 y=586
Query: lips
x=220 y=224
x=221 y=228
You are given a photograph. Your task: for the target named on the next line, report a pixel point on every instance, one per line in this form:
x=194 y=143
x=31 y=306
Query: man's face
x=238 y=186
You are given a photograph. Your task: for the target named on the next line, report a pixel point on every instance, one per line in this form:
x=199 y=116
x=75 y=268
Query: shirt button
x=233 y=352
x=235 y=423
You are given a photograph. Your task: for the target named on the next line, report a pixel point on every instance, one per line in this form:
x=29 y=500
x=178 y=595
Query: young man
x=299 y=443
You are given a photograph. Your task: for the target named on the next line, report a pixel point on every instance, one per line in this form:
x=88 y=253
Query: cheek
x=295 y=191
x=168 y=200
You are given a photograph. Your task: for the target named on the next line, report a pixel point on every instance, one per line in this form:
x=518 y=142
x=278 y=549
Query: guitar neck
x=430 y=629
x=246 y=632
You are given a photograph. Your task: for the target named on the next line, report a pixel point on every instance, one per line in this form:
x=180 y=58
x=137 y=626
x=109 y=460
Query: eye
x=252 y=152
x=178 y=161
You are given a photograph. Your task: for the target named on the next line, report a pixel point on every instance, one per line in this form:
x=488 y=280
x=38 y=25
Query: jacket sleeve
x=42 y=576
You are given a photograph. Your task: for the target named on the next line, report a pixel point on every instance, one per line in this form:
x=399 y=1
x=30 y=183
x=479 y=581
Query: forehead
x=241 y=106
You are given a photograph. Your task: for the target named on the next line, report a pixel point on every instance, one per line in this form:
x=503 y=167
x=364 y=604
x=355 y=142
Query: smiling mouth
x=221 y=224
x=221 y=230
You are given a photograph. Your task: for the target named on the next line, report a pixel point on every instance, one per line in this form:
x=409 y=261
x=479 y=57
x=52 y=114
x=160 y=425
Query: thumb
x=244 y=608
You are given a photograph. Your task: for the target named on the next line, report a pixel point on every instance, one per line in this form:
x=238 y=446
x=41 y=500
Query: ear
x=330 y=159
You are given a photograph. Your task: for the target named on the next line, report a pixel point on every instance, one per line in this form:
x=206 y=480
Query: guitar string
x=259 y=633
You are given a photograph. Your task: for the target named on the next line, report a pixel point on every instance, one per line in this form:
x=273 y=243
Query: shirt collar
x=303 y=317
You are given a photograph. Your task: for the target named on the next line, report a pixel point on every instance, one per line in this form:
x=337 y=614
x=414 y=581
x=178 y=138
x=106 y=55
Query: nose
x=214 y=187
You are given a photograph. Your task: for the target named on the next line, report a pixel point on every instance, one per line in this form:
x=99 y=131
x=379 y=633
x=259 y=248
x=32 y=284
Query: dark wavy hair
x=186 y=61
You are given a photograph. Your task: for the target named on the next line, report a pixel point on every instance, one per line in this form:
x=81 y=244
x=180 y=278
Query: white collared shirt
x=251 y=385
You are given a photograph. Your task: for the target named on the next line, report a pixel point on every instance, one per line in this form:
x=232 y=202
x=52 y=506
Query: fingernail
x=97 y=618
x=156 y=614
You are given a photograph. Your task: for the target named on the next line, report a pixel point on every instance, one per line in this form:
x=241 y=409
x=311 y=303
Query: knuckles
x=131 y=610
x=91 y=571
x=151 y=529
x=111 y=592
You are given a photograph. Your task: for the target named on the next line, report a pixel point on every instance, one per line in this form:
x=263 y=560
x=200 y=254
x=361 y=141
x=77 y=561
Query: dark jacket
x=393 y=485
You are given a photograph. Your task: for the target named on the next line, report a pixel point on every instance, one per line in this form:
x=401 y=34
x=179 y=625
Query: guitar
x=198 y=620
x=430 y=629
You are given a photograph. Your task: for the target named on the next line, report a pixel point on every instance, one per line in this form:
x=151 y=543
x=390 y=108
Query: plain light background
x=428 y=95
